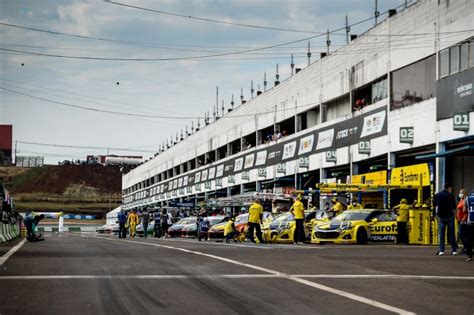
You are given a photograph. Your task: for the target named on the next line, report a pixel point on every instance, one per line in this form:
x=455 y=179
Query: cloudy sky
x=51 y=99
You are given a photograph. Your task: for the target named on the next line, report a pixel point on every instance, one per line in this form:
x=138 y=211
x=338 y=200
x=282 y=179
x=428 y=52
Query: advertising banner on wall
x=455 y=94
x=362 y=127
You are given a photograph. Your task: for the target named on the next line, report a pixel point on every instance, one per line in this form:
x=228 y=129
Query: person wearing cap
x=255 y=219
x=354 y=205
x=297 y=209
x=402 y=219
x=337 y=207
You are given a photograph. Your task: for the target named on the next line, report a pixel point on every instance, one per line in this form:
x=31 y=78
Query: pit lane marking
x=231 y=276
x=12 y=250
x=315 y=285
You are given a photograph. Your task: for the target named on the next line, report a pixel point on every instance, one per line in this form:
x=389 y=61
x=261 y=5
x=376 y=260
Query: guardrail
x=8 y=232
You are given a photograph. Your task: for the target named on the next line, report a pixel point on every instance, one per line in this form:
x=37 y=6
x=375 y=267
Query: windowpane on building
x=444 y=63
x=454 y=59
x=464 y=56
x=414 y=83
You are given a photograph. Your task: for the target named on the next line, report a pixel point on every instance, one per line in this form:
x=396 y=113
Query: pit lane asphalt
x=88 y=274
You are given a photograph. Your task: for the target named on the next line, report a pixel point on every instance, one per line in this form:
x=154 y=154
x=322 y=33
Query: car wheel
x=361 y=236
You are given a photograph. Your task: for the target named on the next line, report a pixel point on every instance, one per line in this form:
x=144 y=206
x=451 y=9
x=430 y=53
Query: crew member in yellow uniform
x=402 y=219
x=229 y=231
x=297 y=209
x=354 y=205
x=337 y=207
x=255 y=219
x=132 y=222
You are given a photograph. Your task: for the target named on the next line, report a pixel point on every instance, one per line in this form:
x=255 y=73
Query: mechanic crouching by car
x=230 y=233
x=31 y=221
x=297 y=209
x=402 y=219
x=255 y=219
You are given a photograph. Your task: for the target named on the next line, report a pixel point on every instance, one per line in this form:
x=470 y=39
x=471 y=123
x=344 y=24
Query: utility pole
x=348 y=29
x=328 y=42
x=16 y=149
x=309 y=53
x=376 y=13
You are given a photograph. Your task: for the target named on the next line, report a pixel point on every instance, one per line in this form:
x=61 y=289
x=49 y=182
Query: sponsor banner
x=306 y=144
x=246 y=175
x=455 y=94
x=212 y=172
x=262 y=172
x=411 y=175
x=348 y=132
x=204 y=175
x=374 y=178
x=261 y=158
x=281 y=168
x=197 y=187
x=180 y=182
x=249 y=159
x=207 y=185
x=289 y=150
x=231 y=179
x=219 y=182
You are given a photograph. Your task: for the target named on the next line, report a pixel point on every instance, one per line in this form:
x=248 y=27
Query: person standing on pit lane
x=132 y=222
x=446 y=205
x=255 y=219
x=402 y=219
x=145 y=222
x=297 y=209
x=469 y=209
x=165 y=217
x=122 y=218
x=461 y=217
x=157 y=218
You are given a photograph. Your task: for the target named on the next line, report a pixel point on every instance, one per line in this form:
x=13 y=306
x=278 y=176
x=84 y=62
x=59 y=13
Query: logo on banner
x=220 y=170
x=197 y=177
x=207 y=185
x=261 y=158
x=461 y=122
x=246 y=175
x=331 y=156
x=249 y=159
x=373 y=124
x=281 y=168
x=364 y=147
x=325 y=139
x=306 y=144
x=239 y=163
x=303 y=162
x=219 y=182
x=289 y=150
x=231 y=179
x=262 y=172
x=407 y=135
x=212 y=173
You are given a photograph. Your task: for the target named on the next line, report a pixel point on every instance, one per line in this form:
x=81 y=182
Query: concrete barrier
x=8 y=232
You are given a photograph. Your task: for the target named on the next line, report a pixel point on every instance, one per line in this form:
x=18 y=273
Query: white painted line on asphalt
x=135 y=277
x=247 y=245
x=321 y=287
x=234 y=276
x=388 y=276
x=12 y=250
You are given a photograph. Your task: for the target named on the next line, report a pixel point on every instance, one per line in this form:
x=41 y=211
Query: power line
x=213 y=20
x=82 y=147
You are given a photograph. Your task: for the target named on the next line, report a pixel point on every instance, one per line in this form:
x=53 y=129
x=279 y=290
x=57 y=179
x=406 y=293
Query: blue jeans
x=442 y=225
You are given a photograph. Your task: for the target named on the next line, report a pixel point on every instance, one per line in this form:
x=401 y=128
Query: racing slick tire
x=361 y=236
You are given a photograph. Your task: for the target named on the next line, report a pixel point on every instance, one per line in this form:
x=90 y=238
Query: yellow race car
x=357 y=227
x=282 y=228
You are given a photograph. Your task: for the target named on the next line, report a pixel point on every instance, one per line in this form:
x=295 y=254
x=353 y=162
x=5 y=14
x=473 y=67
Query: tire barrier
x=8 y=232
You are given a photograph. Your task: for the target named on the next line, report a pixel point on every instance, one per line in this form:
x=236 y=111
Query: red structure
x=6 y=140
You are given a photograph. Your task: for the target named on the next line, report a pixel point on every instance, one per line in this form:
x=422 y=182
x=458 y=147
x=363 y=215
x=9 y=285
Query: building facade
x=398 y=95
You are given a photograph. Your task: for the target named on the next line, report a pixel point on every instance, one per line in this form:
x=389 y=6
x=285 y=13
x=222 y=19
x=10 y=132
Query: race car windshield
x=352 y=216
x=242 y=219
x=187 y=221
x=214 y=220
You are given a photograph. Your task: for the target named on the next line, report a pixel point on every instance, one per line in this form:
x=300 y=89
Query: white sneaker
x=440 y=254
x=454 y=253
